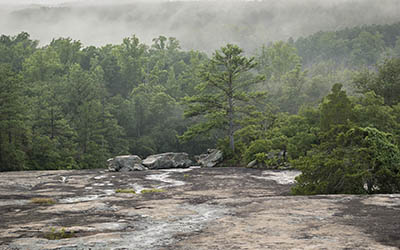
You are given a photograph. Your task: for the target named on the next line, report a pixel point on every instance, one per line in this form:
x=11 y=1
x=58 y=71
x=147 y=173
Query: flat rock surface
x=219 y=208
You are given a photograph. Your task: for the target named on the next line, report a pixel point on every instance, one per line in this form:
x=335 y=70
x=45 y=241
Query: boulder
x=168 y=160
x=211 y=159
x=135 y=167
x=125 y=163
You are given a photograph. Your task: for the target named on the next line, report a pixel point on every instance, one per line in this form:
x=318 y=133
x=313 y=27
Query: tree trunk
x=231 y=116
x=52 y=123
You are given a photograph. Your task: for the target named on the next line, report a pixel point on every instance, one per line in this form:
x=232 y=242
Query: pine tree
x=224 y=93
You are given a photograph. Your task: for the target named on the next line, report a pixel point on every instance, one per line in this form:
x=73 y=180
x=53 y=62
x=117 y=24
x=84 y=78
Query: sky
x=52 y=2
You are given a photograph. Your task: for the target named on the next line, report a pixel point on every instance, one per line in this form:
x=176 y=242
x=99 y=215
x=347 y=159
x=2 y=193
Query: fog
x=204 y=25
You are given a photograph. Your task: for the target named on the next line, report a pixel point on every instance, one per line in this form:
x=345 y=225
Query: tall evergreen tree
x=224 y=93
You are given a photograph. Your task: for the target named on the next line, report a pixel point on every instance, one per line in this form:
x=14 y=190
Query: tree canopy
x=327 y=104
x=224 y=96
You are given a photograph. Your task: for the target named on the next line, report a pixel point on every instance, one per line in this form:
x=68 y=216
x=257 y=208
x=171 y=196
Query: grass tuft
x=126 y=191
x=44 y=201
x=153 y=190
x=60 y=234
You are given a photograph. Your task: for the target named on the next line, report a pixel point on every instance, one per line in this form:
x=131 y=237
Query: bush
x=231 y=158
x=353 y=161
x=58 y=235
x=256 y=147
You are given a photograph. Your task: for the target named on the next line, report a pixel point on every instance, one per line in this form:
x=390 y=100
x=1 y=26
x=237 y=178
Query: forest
x=327 y=104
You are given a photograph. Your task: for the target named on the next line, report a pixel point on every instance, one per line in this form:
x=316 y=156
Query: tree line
x=66 y=106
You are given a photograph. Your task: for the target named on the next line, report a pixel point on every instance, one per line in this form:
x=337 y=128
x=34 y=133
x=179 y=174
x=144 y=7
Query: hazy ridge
x=204 y=25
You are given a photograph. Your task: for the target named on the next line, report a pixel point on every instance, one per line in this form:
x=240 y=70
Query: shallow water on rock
x=79 y=199
x=218 y=208
x=281 y=177
x=165 y=177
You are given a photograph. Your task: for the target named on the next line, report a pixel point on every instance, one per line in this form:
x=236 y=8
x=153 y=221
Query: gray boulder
x=168 y=160
x=211 y=159
x=125 y=163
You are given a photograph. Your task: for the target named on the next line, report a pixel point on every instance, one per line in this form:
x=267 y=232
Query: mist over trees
x=327 y=104
x=249 y=24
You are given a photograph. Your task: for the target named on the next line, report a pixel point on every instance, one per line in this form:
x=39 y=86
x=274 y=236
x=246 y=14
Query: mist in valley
x=200 y=25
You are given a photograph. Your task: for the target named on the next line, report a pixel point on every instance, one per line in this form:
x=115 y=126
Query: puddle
x=80 y=199
x=165 y=177
x=281 y=177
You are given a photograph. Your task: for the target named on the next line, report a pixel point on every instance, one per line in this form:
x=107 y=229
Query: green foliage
x=66 y=106
x=126 y=191
x=336 y=109
x=351 y=47
x=231 y=158
x=366 y=48
x=385 y=82
x=355 y=160
x=14 y=50
x=261 y=157
x=14 y=133
x=257 y=150
x=153 y=190
x=277 y=59
x=55 y=234
x=43 y=201
x=284 y=78
x=223 y=93
x=370 y=111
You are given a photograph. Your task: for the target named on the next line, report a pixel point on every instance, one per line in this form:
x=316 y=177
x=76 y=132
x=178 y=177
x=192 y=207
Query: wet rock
x=252 y=164
x=125 y=163
x=136 y=167
x=211 y=159
x=168 y=160
x=202 y=210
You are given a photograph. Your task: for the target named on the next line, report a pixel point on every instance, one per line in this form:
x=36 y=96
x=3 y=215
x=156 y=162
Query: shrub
x=355 y=161
x=126 y=191
x=57 y=235
x=257 y=147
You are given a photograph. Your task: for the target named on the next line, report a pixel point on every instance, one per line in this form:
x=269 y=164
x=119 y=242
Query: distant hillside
x=363 y=45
